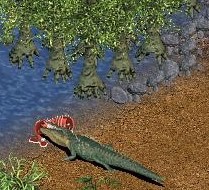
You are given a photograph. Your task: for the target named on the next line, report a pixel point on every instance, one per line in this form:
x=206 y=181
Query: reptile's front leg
x=73 y=154
x=70 y=158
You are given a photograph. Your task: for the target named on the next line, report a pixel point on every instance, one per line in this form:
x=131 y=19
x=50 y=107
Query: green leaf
x=85 y=179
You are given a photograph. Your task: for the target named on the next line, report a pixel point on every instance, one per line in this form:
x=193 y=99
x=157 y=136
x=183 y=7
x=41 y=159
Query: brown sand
x=168 y=133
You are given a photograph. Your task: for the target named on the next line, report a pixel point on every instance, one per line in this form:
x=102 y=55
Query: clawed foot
x=70 y=158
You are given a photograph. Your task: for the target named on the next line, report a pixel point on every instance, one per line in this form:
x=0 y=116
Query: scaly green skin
x=90 y=150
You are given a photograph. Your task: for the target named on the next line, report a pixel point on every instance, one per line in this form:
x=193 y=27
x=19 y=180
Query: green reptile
x=90 y=150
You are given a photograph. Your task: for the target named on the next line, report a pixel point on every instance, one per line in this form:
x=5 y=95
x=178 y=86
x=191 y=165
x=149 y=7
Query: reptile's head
x=58 y=136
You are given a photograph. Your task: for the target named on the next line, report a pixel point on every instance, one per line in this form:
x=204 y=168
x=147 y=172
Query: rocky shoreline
x=183 y=53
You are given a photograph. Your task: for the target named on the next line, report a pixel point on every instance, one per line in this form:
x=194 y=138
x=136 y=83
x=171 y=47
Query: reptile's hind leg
x=104 y=164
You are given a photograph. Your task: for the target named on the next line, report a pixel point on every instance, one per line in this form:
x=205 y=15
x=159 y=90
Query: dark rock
x=207 y=12
x=136 y=98
x=171 y=69
x=189 y=46
x=206 y=33
x=170 y=39
x=118 y=95
x=189 y=29
x=146 y=68
x=156 y=79
x=204 y=12
x=180 y=19
x=200 y=34
x=206 y=2
x=137 y=88
x=188 y=62
x=202 y=23
x=130 y=97
x=172 y=50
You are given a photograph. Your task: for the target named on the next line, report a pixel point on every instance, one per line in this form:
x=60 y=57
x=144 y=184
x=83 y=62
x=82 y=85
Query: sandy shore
x=168 y=132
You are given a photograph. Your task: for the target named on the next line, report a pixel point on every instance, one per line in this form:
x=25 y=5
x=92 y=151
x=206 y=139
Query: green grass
x=91 y=184
x=19 y=174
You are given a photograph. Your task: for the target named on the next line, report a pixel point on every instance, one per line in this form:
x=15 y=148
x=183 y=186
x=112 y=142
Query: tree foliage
x=98 y=24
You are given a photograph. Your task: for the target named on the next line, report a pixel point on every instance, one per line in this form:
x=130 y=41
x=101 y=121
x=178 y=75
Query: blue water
x=26 y=97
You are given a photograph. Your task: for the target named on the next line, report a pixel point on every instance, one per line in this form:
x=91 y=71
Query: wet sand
x=168 y=133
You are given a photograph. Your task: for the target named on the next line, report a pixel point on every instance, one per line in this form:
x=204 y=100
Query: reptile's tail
x=133 y=166
x=138 y=168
